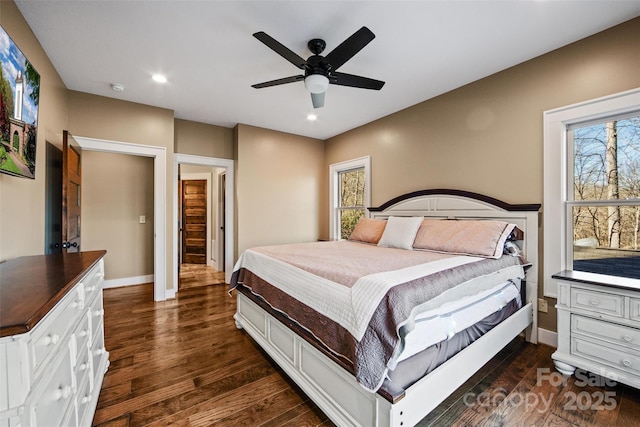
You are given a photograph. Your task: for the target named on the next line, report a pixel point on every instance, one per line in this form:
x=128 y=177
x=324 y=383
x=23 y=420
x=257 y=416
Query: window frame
x=558 y=170
x=334 y=206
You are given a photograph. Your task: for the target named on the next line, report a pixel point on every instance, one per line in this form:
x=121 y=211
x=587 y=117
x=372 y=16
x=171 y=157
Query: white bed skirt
x=336 y=391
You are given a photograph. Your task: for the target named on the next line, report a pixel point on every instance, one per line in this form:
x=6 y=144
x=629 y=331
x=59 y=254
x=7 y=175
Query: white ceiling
x=207 y=51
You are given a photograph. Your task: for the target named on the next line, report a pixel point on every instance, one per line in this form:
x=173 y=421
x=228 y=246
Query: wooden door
x=71 y=190
x=194 y=221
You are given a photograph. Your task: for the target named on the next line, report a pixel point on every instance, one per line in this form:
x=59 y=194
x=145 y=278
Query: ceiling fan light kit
x=320 y=71
x=316 y=83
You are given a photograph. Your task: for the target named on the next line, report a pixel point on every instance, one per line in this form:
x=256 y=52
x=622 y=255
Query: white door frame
x=220 y=237
x=214 y=162
x=159 y=155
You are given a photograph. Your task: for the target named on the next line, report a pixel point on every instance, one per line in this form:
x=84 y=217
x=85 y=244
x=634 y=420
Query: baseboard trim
x=128 y=281
x=548 y=337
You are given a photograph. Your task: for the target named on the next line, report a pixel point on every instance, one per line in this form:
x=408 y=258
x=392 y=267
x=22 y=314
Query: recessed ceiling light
x=312 y=117
x=159 y=78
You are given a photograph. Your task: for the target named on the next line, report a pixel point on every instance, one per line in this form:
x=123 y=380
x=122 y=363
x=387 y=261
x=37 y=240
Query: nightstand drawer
x=607 y=354
x=634 y=310
x=597 y=302
x=611 y=332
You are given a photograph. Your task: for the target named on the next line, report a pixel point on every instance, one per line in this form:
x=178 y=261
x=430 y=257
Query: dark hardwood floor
x=196 y=275
x=183 y=362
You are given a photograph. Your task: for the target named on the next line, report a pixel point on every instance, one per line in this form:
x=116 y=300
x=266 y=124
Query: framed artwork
x=19 y=96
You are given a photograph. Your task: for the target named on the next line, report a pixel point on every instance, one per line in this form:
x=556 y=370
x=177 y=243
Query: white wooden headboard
x=458 y=204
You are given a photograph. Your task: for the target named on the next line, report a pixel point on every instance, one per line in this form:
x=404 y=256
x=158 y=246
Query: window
x=604 y=203
x=350 y=195
x=592 y=188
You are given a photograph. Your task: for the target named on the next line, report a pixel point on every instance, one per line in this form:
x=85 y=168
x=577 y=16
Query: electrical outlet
x=142 y=219
x=543 y=305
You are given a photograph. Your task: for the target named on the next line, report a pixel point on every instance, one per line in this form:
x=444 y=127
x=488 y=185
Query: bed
x=390 y=322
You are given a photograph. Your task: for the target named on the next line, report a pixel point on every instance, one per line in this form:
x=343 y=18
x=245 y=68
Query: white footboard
x=336 y=391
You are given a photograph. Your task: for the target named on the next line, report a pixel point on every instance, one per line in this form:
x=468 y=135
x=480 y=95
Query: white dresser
x=598 y=326
x=52 y=354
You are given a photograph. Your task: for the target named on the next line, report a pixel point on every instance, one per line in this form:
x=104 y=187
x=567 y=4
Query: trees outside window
x=349 y=195
x=605 y=202
x=352 y=206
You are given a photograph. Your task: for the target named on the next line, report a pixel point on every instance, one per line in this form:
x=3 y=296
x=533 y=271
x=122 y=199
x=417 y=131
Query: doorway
x=200 y=230
x=160 y=291
x=53 y=201
x=159 y=155
x=220 y=244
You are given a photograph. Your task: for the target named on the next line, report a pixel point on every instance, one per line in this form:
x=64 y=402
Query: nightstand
x=598 y=326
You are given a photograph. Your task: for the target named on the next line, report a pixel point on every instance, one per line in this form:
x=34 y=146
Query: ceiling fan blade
x=348 y=48
x=344 y=79
x=317 y=99
x=280 y=49
x=282 y=81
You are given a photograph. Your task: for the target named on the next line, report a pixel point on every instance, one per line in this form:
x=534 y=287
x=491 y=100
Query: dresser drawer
x=55 y=397
x=83 y=404
x=83 y=334
x=93 y=281
x=83 y=368
x=96 y=314
x=99 y=354
x=51 y=334
x=597 y=302
x=611 y=332
x=70 y=419
x=607 y=354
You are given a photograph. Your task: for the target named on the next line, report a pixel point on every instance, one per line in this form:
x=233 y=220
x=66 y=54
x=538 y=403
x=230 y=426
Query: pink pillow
x=483 y=238
x=368 y=230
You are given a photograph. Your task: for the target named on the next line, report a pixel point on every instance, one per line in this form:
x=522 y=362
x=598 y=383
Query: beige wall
x=486 y=137
x=278 y=187
x=201 y=139
x=23 y=201
x=111 y=119
x=116 y=190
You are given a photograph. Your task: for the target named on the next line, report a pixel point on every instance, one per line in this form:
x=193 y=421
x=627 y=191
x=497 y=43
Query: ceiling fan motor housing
x=316 y=70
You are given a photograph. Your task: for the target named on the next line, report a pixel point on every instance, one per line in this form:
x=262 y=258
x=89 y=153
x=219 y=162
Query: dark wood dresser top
x=30 y=286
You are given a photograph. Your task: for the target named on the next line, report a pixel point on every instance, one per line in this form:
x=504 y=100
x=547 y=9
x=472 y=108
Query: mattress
x=413 y=368
x=444 y=322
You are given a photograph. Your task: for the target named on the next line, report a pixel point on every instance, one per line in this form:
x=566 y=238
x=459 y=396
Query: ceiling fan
x=320 y=71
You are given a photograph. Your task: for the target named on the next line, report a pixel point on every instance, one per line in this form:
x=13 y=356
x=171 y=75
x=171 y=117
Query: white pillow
x=400 y=232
